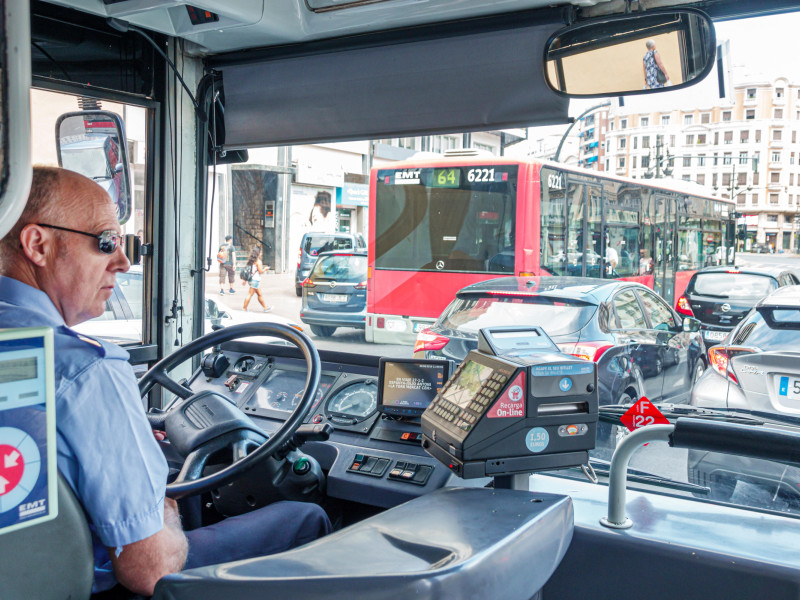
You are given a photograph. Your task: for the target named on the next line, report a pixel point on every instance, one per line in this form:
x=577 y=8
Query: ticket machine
x=515 y=405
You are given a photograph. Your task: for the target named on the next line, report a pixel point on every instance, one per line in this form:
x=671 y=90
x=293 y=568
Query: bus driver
x=58 y=265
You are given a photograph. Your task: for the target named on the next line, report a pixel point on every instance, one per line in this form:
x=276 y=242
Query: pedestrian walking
x=256 y=268
x=226 y=258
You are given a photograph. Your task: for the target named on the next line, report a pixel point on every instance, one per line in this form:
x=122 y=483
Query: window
x=686 y=177
x=744 y=136
x=726 y=180
x=794 y=137
x=774 y=177
x=776 y=157
x=623 y=123
x=791 y=158
x=726 y=158
x=716 y=138
x=690 y=140
x=644 y=121
x=754 y=199
x=791 y=178
x=621 y=162
x=728 y=137
x=701 y=160
x=741 y=179
x=665 y=119
x=629 y=313
x=772 y=218
x=635 y=143
x=671 y=140
x=714 y=180
x=758 y=136
x=779 y=92
x=646 y=162
x=726 y=115
x=755 y=177
x=485 y=147
x=750 y=114
x=776 y=135
x=701 y=179
x=622 y=143
x=742 y=158
x=611 y=126
x=646 y=141
x=687 y=161
x=688 y=119
x=716 y=159
x=778 y=113
x=701 y=138
x=705 y=118
x=751 y=93
x=633 y=162
x=740 y=199
x=773 y=199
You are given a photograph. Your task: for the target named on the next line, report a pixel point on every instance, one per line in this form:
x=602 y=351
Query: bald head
x=54 y=194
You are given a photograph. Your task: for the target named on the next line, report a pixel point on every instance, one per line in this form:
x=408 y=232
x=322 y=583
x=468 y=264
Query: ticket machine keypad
x=465 y=418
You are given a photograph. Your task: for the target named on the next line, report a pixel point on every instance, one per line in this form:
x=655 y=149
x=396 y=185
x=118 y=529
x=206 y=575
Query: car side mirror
x=92 y=143
x=690 y=324
x=631 y=54
x=224 y=315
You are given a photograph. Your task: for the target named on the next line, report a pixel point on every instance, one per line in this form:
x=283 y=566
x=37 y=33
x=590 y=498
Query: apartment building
x=743 y=147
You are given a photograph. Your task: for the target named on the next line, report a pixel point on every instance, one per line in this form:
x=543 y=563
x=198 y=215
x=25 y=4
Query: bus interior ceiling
x=273 y=65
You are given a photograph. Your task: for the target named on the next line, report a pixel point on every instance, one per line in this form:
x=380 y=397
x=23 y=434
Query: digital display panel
x=407 y=387
x=283 y=389
x=446 y=178
x=464 y=389
x=18 y=369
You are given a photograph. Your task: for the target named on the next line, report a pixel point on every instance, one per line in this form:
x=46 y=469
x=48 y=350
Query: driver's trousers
x=269 y=530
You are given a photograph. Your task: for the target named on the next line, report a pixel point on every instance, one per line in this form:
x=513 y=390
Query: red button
x=317 y=419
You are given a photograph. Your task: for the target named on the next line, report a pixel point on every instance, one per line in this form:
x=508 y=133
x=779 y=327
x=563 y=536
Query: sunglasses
x=107 y=241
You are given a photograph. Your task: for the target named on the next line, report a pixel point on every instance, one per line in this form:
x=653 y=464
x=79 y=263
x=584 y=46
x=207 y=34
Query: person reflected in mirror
x=256 y=270
x=611 y=259
x=58 y=267
x=645 y=262
x=226 y=257
x=652 y=65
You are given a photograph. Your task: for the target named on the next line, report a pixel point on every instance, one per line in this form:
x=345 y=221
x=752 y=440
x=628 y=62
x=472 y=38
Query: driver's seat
x=50 y=560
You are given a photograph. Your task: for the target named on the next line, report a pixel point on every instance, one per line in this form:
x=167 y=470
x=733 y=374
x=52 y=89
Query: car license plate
x=715 y=335
x=789 y=387
x=334 y=298
x=419 y=327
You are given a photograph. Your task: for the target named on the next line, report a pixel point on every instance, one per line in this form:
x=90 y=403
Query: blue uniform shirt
x=106 y=449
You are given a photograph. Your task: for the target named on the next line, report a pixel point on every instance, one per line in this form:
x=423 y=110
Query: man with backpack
x=225 y=258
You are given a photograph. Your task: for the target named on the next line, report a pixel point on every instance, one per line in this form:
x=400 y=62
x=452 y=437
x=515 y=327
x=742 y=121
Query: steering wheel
x=203 y=423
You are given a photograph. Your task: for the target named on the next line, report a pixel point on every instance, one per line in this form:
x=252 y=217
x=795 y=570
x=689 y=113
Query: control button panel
x=369 y=465
x=410 y=472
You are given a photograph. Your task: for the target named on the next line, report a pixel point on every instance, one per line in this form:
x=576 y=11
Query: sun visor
x=468 y=82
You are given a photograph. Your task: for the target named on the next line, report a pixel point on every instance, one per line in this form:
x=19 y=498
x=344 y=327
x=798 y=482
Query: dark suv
x=314 y=243
x=721 y=296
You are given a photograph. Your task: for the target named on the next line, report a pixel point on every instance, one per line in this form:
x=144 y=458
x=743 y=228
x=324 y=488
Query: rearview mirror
x=631 y=54
x=92 y=143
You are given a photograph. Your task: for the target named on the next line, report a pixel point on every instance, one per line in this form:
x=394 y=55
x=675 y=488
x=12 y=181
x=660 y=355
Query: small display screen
x=464 y=389
x=18 y=369
x=446 y=178
x=407 y=387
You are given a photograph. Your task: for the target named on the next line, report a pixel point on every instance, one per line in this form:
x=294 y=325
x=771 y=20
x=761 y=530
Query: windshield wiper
x=602 y=467
x=712 y=295
x=610 y=413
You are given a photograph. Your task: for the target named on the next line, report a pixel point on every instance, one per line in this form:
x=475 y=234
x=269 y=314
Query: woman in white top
x=256 y=269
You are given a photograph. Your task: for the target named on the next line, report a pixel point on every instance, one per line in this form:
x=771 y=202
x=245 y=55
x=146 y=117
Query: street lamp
x=571 y=125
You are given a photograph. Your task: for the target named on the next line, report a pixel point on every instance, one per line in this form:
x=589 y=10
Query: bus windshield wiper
x=610 y=413
x=602 y=467
x=713 y=295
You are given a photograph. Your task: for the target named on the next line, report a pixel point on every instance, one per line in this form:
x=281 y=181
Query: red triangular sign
x=641 y=414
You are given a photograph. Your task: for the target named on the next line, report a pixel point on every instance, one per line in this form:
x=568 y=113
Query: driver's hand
x=160 y=435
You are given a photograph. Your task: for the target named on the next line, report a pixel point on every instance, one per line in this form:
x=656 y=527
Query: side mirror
x=224 y=315
x=690 y=324
x=92 y=143
x=630 y=54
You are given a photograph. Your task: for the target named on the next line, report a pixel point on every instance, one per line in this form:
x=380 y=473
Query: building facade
x=743 y=147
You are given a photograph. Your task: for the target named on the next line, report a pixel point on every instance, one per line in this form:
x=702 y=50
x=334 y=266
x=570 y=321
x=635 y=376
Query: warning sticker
x=512 y=402
x=561 y=370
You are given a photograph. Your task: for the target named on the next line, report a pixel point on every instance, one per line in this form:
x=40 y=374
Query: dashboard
x=370 y=458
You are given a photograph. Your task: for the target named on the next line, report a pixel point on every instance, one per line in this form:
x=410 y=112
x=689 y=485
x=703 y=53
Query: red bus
x=439 y=224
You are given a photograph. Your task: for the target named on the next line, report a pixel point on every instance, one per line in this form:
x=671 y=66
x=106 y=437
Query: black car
x=641 y=346
x=335 y=292
x=719 y=297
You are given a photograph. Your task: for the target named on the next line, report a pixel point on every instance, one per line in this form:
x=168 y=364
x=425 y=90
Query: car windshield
x=324 y=243
x=555 y=316
x=769 y=332
x=733 y=285
x=341 y=267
